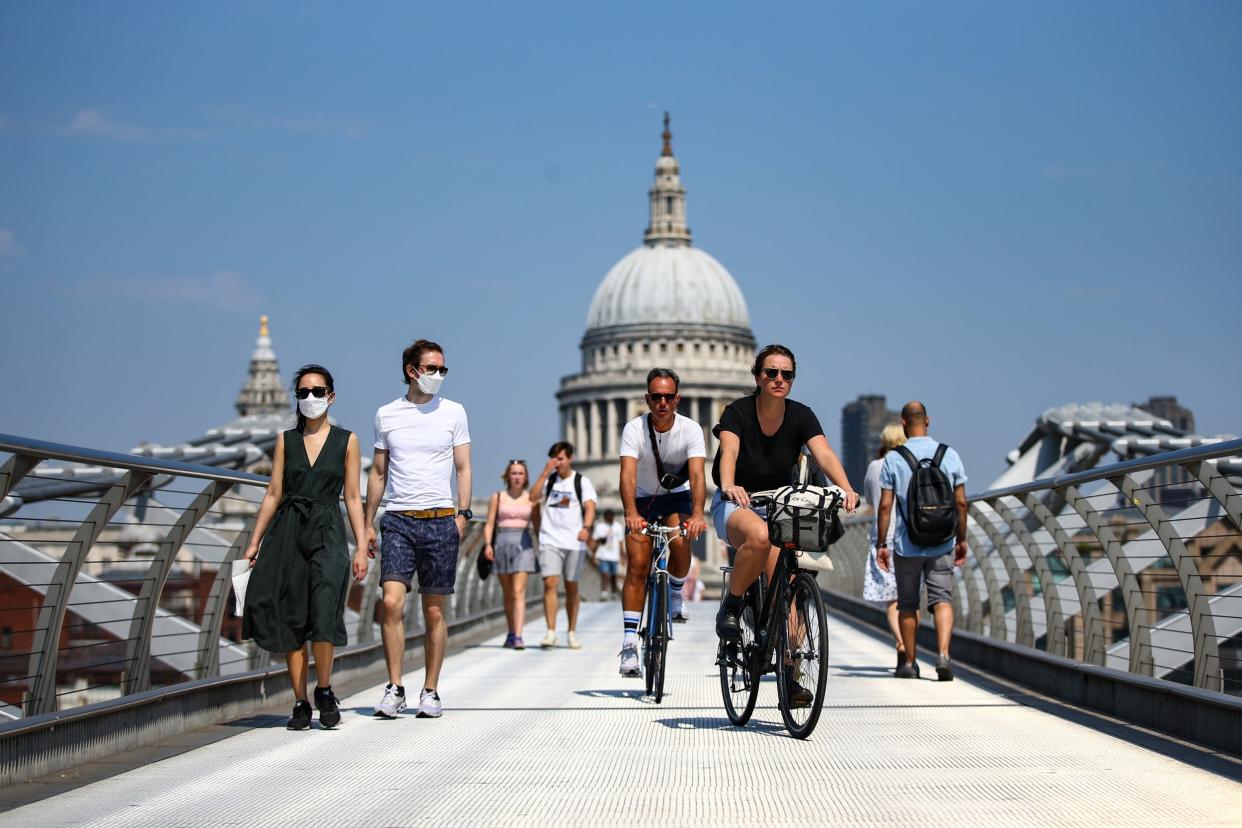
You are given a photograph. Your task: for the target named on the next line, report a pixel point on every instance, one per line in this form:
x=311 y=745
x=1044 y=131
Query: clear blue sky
x=994 y=207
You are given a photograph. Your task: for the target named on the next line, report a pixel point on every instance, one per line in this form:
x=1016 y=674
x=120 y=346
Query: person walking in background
x=606 y=542
x=929 y=529
x=507 y=542
x=421 y=439
x=298 y=551
x=566 y=501
x=880 y=585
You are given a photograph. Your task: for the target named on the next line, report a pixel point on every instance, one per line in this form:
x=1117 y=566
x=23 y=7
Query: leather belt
x=429 y=513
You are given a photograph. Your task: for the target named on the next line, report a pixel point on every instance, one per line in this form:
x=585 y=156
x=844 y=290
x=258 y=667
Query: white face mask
x=430 y=382
x=312 y=407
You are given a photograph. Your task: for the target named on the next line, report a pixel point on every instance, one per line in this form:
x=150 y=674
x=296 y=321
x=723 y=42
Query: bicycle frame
x=657 y=578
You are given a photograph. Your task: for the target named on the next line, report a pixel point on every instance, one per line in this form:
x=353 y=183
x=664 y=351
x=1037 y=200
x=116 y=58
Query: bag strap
x=939 y=456
x=655 y=448
x=908 y=456
x=552 y=478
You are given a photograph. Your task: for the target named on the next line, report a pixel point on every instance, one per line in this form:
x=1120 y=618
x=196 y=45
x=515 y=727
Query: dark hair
x=414 y=354
x=664 y=373
x=609 y=514
x=560 y=446
x=765 y=352
x=312 y=368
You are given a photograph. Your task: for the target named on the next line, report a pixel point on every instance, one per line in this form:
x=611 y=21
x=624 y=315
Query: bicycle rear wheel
x=803 y=657
x=739 y=665
x=655 y=642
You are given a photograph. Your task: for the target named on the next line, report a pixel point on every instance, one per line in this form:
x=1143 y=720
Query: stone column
x=611 y=447
x=580 y=432
x=597 y=431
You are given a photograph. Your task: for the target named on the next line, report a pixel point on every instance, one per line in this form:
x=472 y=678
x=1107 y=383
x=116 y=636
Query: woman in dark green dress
x=298 y=550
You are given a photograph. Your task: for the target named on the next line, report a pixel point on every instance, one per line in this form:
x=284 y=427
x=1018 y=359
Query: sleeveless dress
x=512 y=543
x=301 y=578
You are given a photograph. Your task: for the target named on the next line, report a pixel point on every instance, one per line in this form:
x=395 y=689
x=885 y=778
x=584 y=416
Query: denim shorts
x=607 y=567
x=426 y=546
x=721 y=509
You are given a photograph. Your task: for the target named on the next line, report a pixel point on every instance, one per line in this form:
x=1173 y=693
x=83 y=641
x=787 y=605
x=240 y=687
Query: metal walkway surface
x=557 y=737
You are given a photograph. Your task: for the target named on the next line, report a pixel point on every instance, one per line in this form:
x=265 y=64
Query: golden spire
x=263 y=325
x=668 y=139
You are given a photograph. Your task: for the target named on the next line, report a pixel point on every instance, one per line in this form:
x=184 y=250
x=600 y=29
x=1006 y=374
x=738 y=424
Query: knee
x=433 y=614
x=394 y=605
x=757 y=538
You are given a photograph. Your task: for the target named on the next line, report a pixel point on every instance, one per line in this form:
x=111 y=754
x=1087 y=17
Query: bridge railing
x=115 y=575
x=1135 y=566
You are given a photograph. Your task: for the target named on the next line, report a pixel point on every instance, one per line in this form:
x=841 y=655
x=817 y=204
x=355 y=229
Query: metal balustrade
x=1135 y=566
x=115 y=575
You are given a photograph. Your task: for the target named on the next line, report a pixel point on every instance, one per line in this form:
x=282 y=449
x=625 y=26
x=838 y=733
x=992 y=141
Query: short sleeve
x=461 y=429
x=957 y=470
x=887 y=479
x=809 y=425
x=601 y=529
x=588 y=490
x=381 y=439
x=632 y=438
x=731 y=420
x=694 y=441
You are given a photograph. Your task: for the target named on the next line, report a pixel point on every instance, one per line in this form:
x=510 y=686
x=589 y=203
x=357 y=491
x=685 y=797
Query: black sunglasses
x=773 y=373
x=511 y=462
x=655 y=398
x=434 y=369
x=316 y=391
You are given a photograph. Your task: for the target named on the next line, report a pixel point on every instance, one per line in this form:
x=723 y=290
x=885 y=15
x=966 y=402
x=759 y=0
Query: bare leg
x=638 y=548
x=909 y=622
x=298 y=667
x=890 y=612
x=436 y=640
x=572 y=600
x=517 y=584
x=748 y=534
x=324 y=653
x=943 y=615
x=392 y=629
x=506 y=588
x=549 y=601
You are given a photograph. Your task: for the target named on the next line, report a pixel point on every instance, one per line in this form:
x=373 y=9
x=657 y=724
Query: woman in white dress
x=879 y=585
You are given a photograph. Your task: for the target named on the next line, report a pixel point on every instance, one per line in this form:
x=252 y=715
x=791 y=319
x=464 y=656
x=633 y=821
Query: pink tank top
x=513 y=514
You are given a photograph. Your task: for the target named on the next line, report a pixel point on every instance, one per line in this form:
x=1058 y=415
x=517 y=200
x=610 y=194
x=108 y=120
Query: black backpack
x=931 y=504
x=553 y=477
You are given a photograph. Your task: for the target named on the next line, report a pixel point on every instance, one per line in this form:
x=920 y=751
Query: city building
x=861 y=423
x=665 y=304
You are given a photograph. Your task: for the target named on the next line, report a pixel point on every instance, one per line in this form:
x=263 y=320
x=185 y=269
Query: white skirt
x=879 y=585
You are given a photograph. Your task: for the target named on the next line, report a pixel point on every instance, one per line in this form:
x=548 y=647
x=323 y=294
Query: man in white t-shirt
x=606 y=550
x=420 y=440
x=566 y=501
x=662 y=480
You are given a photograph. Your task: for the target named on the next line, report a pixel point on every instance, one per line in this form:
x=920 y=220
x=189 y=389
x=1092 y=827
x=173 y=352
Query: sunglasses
x=655 y=398
x=434 y=369
x=773 y=373
x=317 y=391
x=511 y=462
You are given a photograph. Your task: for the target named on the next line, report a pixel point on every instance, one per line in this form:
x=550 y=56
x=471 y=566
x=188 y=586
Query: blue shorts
x=606 y=567
x=721 y=509
x=658 y=507
x=427 y=546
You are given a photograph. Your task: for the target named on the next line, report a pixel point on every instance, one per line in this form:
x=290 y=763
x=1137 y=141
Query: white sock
x=630 y=620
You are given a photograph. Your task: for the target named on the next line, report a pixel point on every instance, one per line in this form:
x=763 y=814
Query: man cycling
x=761 y=436
x=662 y=480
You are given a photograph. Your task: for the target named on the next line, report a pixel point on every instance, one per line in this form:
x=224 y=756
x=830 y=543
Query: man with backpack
x=566 y=502
x=926 y=479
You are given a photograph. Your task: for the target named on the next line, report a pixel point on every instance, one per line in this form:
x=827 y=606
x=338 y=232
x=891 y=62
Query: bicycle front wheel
x=656 y=638
x=803 y=657
x=739 y=666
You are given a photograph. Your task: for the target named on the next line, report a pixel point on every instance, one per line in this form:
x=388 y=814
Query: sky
x=996 y=208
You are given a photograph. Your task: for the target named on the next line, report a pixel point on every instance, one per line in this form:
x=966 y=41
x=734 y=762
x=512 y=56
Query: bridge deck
x=558 y=737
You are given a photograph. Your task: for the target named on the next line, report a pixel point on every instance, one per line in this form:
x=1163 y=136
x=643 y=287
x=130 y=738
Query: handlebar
x=658 y=529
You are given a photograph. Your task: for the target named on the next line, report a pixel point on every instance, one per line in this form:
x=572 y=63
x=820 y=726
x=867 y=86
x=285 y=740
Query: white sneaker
x=629 y=662
x=677 y=607
x=392 y=704
x=574 y=643
x=429 y=705
x=549 y=639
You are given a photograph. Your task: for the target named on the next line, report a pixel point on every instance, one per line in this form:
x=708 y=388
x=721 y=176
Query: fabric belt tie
x=448 y=511
x=309 y=519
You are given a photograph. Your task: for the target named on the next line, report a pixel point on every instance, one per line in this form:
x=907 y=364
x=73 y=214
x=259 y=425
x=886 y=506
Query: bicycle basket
x=804 y=518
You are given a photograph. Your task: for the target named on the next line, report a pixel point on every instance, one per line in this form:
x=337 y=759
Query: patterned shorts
x=427 y=546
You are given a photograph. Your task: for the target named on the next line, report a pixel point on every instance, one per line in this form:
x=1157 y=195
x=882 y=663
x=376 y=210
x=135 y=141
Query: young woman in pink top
x=507 y=542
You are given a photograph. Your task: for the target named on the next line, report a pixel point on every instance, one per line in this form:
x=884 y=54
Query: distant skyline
x=994 y=208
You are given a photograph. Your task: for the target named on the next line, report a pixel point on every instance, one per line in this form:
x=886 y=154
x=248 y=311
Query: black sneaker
x=329 y=710
x=727 y=625
x=901 y=658
x=944 y=668
x=907 y=671
x=301 y=718
x=798 y=695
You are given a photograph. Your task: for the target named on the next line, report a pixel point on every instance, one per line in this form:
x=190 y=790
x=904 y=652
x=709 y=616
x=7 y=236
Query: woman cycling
x=761 y=436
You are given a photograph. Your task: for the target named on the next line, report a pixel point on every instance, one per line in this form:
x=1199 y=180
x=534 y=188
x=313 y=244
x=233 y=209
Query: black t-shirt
x=765 y=462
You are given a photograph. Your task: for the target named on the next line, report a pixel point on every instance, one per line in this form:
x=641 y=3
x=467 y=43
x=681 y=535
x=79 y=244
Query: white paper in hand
x=241 y=577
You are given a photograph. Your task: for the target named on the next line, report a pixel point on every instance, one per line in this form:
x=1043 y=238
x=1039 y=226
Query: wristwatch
x=466 y=513
x=882 y=545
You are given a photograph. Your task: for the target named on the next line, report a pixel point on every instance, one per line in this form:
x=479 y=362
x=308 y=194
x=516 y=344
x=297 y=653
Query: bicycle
x=655 y=629
x=784 y=631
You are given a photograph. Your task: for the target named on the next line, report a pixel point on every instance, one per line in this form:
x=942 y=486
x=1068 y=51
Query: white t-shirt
x=560 y=514
x=609 y=536
x=681 y=442
x=419 y=440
